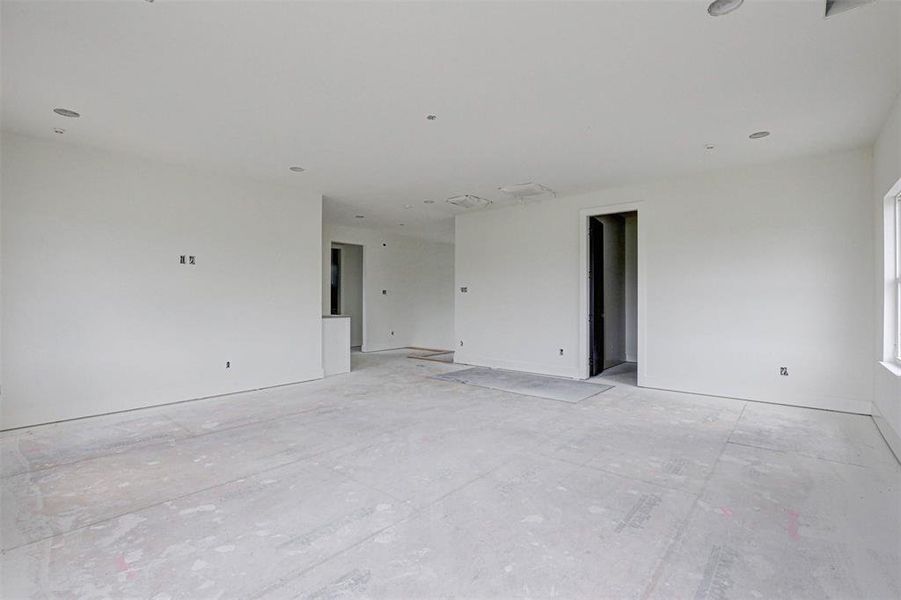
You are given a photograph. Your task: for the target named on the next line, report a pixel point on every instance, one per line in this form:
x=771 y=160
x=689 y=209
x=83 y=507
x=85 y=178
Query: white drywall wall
x=418 y=276
x=886 y=171
x=335 y=345
x=743 y=271
x=352 y=289
x=631 y=287
x=99 y=316
x=614 y=286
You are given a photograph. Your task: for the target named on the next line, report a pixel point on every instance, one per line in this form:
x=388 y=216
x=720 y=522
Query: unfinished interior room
x=477 y=300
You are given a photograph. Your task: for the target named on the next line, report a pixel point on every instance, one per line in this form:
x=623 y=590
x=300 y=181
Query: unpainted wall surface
x=98 y=314
x=886 y=171
x=352 y=289
x=614 y=276
x=417 y=277
x=743 y=273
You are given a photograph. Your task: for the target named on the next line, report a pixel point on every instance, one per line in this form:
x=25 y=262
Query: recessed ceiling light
x=65 y=112
x=718 y=8
x=359 y=217
x=296 y=169
x=709 y=147
x=759 y=134
x=428 y=202
x=59 y=130
x=431 y=117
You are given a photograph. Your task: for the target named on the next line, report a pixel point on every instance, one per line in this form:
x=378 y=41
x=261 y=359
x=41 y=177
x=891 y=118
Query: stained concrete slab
x=531 y=528
x=51 y=501
x=387 y=483
x=828 y=435
x=39 y=448
x=220 y=542
x=783 y=525
x=626 y=373
x=526 y=384
x=437 y=356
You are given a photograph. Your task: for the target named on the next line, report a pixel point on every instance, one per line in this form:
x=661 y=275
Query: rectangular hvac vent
x=834 y=7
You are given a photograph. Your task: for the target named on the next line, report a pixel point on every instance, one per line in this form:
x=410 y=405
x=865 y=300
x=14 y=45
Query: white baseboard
x=892 y=438
x=857 y=406
x=314 y=375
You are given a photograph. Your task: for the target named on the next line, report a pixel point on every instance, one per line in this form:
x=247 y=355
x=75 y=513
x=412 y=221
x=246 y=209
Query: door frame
x=584 y=293
x=595 y=297
x=362 y=284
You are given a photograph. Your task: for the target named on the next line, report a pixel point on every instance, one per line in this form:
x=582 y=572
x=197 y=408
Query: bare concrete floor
x=387 y=484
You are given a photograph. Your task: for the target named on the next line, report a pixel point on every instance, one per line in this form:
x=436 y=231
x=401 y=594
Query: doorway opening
x=613 y=295
x=346 y=297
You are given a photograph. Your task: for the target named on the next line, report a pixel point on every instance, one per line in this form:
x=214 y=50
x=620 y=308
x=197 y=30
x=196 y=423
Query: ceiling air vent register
x=530 y=190
x=469 y=201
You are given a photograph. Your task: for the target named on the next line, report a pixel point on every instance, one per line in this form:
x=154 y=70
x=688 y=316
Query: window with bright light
x=898 y=278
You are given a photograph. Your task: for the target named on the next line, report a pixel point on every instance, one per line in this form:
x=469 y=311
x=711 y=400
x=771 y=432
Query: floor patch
x=526 y=384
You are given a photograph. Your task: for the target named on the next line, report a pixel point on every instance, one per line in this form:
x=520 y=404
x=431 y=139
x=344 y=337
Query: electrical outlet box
x=561 y=351
x=464 y=290
x=783 y=371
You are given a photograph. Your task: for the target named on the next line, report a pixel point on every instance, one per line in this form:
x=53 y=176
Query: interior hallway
x=385 y=483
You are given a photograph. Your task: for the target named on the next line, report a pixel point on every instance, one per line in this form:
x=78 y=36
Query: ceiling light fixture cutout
x=59 y=130
x=65 y=112
x=759 y=135
x=469 y=201
x=297 y=169
x=431 y=117
x=709 y=147
x=530 y=190
x=718 y=8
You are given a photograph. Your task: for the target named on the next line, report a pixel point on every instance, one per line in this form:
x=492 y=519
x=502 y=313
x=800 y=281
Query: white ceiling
x=571 y=95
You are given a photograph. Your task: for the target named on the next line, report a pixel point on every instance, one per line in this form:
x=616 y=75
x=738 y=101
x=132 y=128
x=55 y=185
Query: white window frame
x=897 y=207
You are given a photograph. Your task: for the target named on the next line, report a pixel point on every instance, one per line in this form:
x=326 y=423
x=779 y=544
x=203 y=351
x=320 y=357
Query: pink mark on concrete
x=727 y=512
x=123 y=567
x=792 y=527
